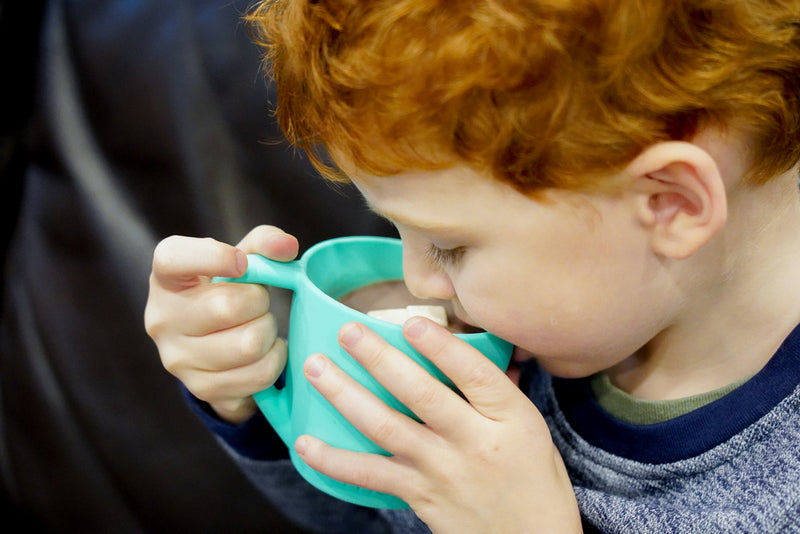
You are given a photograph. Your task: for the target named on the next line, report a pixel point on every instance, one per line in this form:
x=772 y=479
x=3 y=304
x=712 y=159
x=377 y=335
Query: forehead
x=414 y=198
x=459 y=201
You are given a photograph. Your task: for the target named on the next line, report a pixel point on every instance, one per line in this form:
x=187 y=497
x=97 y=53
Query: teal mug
x=325 y=273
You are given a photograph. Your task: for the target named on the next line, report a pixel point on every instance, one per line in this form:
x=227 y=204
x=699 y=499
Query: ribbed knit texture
x=642 y=411
x=732 y=465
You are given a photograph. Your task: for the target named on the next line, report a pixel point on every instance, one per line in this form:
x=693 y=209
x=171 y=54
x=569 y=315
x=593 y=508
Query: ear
x=681 y=197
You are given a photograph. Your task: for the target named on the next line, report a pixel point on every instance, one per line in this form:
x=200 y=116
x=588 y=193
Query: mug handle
x=260 y=270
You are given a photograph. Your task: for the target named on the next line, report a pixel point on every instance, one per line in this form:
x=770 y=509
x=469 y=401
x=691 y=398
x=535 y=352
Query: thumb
x=271 y=242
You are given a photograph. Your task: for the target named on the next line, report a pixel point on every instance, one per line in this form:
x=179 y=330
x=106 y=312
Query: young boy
x=609 y=185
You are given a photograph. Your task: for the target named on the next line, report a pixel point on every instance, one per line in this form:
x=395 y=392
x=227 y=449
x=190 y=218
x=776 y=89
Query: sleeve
x=264 y=460
x=253 y=438
x=307 y=506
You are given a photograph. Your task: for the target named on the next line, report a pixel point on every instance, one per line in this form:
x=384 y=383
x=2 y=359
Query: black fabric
x=255 y=438
x=149 y=118
x=19 y=38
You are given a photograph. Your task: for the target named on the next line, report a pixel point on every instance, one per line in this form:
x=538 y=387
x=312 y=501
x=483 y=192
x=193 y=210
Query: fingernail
x=315 y=365
x=415 y=327
x=241 y=262
x=301 y=445
x=350 y=334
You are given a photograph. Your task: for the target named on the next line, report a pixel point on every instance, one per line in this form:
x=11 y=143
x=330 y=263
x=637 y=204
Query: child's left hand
x=486 y=464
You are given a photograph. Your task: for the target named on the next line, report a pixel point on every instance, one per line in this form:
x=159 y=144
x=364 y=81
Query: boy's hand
x=219 y=339
x=484 y=464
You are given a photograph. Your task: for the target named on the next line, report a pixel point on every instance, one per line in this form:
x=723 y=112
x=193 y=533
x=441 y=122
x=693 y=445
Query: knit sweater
x=730 y=466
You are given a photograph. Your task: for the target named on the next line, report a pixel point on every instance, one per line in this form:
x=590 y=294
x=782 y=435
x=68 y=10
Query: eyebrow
x=431 y=226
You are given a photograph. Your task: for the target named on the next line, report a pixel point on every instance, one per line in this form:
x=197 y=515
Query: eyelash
x=444 y=257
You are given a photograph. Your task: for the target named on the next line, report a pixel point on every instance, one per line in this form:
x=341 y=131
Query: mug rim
x=361 y=316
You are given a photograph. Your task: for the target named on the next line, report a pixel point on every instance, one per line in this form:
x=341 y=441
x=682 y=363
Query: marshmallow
x=436 y=314
x=395 y=315
x=399 y=315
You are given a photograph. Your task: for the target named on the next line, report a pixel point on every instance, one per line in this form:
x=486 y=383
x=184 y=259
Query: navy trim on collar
x=690 y=434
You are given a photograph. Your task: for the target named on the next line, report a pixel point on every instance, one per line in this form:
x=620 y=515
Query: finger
x=231 y=348
x=217 y=387
x=371 y=471
x=386 y=427
x=219 y=306
x=430 y=400
x=180 y=262
x=203 y=309
x=484 y=385
x=271 y=242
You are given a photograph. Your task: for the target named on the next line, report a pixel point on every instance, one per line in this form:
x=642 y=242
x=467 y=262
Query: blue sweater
x=730 y=466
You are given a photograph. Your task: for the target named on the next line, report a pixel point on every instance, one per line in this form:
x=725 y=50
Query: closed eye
x=444 y=257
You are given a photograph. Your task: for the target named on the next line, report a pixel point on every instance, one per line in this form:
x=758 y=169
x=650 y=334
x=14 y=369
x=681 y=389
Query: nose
x=425 y=280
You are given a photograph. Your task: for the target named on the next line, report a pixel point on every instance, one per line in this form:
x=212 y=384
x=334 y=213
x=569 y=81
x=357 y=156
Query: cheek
x=574 y=321
x=493 y=305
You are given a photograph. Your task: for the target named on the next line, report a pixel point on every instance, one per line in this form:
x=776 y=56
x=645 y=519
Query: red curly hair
x=539 y=93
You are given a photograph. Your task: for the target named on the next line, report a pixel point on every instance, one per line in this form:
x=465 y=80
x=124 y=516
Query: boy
x=609 y=185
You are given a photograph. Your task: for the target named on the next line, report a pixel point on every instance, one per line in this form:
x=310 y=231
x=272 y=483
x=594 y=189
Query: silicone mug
x=326 y=272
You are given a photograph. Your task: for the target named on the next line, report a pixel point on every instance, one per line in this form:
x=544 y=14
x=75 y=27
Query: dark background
x=125 y=121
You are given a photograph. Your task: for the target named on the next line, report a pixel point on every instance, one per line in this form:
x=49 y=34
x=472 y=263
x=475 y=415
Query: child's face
x=567 y=279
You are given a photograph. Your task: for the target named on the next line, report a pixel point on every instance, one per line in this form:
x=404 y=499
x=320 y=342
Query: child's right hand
x=219 y=339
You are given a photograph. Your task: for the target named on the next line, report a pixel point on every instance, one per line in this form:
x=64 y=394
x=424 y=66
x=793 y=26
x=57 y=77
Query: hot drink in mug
x=331 y=282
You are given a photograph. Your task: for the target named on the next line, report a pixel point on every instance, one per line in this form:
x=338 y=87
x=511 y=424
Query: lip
x=520 y=355
x=462 y=315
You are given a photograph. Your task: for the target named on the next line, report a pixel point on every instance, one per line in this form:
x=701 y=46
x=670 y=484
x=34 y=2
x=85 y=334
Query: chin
x=566 y=369
x=559 y=367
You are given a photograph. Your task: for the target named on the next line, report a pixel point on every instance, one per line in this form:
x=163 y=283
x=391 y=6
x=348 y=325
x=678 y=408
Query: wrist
x=235 y=411
x=253 y=438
